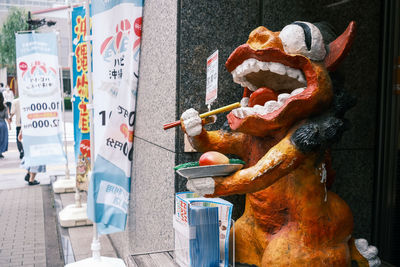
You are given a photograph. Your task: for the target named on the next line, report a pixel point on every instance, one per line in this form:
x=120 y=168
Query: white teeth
x=240 y=113
x=259 y=109
x=248 y=111
x=271 y=106
x=268 y=107
x=243 y=112
x=245 y=101
x=283 y=97
x=263 y=65
x=297 y=91
x=302 y=80
x=252 y=65
x=277 y=68
x=295 y=73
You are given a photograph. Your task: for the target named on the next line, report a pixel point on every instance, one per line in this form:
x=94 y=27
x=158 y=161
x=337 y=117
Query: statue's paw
x=191 y=122
x=369 y=252
x=201 y=186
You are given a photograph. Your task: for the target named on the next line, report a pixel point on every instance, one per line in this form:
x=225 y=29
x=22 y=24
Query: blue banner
x=116 y=47
x=40 y=98
x=80 y=98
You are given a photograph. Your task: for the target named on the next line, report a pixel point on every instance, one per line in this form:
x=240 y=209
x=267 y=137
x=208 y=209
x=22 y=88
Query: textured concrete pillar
x=149 y=226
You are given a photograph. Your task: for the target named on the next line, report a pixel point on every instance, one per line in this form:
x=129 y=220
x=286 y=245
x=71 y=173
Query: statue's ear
x=339 y=48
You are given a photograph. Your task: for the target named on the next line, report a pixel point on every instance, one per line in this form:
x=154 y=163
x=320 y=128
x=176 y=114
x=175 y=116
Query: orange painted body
x=286 y=219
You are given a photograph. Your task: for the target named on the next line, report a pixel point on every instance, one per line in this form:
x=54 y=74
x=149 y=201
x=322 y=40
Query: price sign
x=212 y=78
x=40 y=98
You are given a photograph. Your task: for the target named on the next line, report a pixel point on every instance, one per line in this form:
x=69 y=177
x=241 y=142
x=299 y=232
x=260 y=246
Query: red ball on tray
x=213 y=158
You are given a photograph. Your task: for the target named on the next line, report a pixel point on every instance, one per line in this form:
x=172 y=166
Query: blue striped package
x=202 y=222
x=204 y=249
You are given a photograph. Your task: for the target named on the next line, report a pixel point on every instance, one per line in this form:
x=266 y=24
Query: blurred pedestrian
x=32 y=171
x=4 y=116
x=8 y=97
x=16 y=111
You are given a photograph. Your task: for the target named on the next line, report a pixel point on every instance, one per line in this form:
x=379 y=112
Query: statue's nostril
x=262 y=38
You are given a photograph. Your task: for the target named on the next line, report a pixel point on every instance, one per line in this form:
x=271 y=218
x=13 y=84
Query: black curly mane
x=320 y=132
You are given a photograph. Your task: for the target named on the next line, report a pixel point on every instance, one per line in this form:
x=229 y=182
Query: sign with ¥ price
x=117 y=28
x=212 y=78
x=40 y=98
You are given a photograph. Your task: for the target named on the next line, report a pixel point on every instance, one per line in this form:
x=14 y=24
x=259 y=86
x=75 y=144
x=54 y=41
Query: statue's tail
x=365 y=255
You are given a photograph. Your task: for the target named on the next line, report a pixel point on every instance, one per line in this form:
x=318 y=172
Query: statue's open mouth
x=273 y=82
x=278 y=82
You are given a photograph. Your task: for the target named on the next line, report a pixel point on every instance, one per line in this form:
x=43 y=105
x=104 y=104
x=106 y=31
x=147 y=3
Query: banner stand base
x=64 y=185
x=72 y=216
x=102 y=262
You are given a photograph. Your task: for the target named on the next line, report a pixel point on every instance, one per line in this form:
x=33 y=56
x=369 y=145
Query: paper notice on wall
x=212 y=78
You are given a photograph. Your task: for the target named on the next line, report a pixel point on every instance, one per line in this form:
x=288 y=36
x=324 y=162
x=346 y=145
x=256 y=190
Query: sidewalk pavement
x=22 y=227
x=30 y=234
x=77 y=240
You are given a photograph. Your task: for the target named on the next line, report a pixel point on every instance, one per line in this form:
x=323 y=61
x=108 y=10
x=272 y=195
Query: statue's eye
x=303 y=38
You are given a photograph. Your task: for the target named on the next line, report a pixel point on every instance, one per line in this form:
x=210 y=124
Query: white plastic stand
x=96 y=260
x=74 y=214
x=102 y=262
x=64 y=185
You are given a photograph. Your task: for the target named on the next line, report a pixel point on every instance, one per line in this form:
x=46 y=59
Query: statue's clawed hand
x=201 y=186
x=191 y=122
x=370 y=253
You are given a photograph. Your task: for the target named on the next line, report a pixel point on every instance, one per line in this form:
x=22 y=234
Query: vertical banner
x=116 y=47
x=40 y=98
x=80 y=98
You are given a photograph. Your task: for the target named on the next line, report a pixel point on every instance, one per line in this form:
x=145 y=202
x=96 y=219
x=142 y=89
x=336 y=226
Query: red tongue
x=262 y=95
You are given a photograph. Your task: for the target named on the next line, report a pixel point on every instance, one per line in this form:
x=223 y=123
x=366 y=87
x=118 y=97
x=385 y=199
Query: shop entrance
x=387 y=206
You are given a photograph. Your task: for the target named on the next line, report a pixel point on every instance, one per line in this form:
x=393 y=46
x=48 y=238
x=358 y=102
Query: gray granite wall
x=208 y=25
x=204 y=27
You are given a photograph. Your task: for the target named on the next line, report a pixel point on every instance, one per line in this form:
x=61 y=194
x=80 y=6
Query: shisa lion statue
x=291 y=113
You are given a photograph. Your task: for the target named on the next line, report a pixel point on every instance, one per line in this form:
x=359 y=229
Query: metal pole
x=95 y=242
x=63 y=109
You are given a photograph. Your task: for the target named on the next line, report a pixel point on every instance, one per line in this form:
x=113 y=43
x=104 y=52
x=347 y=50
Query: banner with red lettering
x=40 y=98
x=80 y=98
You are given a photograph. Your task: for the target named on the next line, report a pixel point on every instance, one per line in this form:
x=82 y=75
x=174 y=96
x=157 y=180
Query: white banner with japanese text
x=40 y=98
x=116 y=27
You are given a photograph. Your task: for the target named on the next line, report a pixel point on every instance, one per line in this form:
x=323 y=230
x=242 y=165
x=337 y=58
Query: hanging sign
x=212 y=78
x=80 y=98
x=116 y=45
x=40 y=98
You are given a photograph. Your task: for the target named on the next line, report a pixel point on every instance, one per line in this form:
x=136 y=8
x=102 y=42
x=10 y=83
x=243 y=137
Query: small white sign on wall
x=212 y=78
